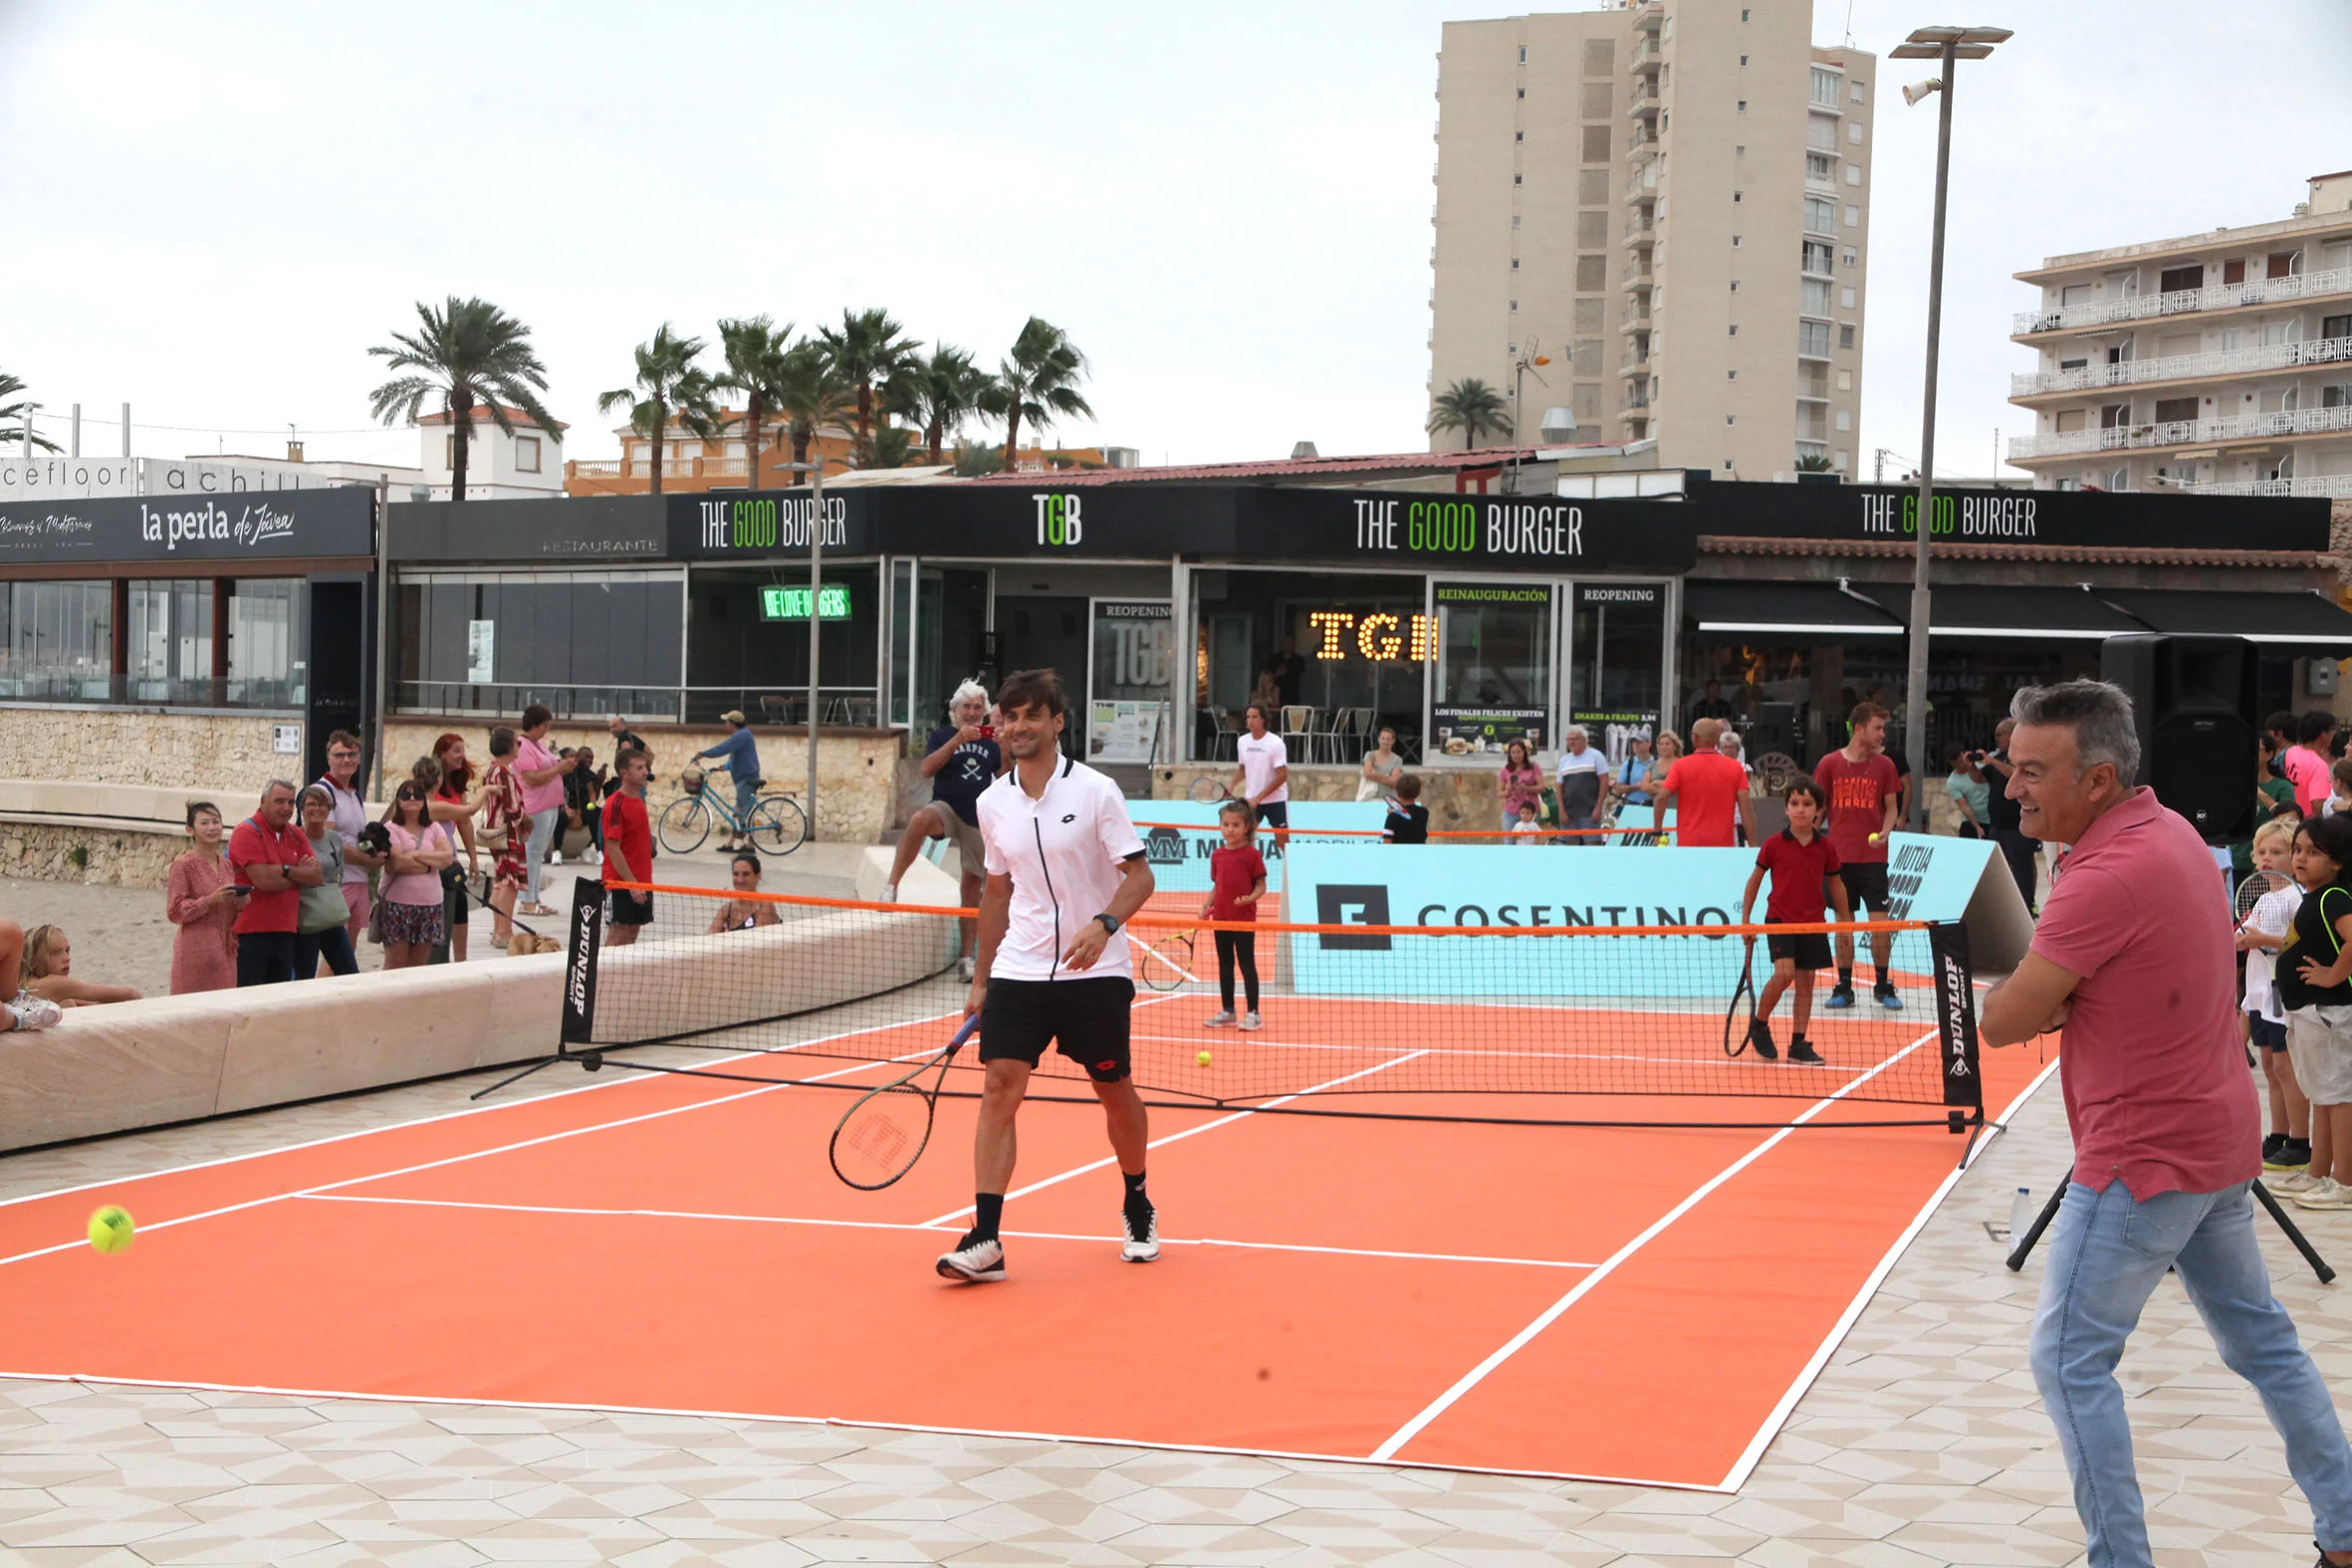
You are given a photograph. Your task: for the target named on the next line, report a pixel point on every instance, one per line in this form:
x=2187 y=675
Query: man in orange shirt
x=1709 y=788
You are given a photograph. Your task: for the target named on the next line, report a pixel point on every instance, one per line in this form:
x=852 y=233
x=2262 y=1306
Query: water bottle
x=2022 y=1213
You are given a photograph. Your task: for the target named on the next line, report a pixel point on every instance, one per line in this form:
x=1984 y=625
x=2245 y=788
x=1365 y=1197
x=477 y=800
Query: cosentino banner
x=2102 y=519
x=272 y=524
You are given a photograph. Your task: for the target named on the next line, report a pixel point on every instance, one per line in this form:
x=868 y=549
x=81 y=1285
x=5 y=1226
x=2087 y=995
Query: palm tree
x=810 y=394
x=469 y=353
x=885 y=446
x=867 y=351
x=975 y=458
x=1037 y=381
x=755 y=348
x=938 y=394
x=667 y=383
x=12 y=416
x=1472 y=407
x=1813 y=463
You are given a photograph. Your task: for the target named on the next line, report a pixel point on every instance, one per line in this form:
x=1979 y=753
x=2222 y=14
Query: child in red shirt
x=1800 y=859
x=1237 y=879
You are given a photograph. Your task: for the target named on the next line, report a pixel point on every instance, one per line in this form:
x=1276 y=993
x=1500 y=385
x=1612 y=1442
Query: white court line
x=1174 y=1137
x=1518 y=1341
x=948 y=1229
x=1704 y=1059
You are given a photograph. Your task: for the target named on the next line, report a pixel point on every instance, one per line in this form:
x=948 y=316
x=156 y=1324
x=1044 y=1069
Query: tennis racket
x=883 y=1134
x=1209 y=788
x=1741 y=1013
x=2252 y=888
x=1166 y=961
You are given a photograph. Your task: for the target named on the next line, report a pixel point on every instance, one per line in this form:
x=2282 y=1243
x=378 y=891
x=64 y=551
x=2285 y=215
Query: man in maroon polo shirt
x=272 y=857
x=2133 y=961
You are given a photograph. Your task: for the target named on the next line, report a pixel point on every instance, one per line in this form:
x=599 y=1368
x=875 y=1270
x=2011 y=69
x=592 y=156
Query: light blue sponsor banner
x=1475 y=887
x=1179 y=846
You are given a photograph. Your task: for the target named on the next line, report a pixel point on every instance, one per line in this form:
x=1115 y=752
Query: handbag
x=321 y=908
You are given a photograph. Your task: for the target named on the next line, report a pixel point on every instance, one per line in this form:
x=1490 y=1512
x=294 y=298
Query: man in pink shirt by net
x=2133 y=960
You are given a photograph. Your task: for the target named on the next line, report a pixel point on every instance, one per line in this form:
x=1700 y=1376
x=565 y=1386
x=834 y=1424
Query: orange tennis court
x=1609 y=1302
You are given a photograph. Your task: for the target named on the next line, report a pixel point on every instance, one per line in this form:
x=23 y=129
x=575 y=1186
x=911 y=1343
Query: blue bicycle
x=776 y=826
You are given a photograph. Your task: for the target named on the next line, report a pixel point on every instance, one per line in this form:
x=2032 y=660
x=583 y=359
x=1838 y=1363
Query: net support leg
x=518 y=1077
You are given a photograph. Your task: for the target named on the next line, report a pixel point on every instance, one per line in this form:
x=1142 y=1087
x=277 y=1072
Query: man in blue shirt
x=740 y=757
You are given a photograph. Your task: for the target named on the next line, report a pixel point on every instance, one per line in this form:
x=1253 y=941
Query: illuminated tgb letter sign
x=1058 y=520
x=1380 y=635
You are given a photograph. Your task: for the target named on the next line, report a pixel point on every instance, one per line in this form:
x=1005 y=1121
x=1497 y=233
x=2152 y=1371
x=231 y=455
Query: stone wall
x=1460 y=800
x=131 y=746
x=102 y=857
x=856 y=768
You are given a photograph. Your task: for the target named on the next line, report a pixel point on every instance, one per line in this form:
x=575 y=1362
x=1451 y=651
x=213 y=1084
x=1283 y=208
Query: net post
x=579 y=964
x=1955 y=1024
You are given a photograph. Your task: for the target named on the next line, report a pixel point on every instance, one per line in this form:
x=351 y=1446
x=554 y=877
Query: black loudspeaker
x=2194 y=702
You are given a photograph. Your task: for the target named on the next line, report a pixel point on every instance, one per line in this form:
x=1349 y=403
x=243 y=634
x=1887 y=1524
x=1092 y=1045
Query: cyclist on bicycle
x=740 y=757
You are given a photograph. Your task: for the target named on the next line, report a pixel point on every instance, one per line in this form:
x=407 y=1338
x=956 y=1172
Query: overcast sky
x=214 y=210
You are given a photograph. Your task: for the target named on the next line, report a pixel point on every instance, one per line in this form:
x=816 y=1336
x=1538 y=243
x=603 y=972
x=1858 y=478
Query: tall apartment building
x=1670 y=197
x=2219 y=362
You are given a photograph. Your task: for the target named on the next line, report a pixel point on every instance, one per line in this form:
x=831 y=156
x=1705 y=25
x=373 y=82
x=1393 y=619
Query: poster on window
x=481 y=649
x=1126 y=732
x=1470 y=732
x=1614 y=732
x=1133 y=660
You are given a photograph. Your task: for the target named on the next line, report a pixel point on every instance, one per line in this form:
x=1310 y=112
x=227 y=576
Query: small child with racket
x=2314 y=981
x=2266 y=901
x=1237 y=881
x=1800 y=859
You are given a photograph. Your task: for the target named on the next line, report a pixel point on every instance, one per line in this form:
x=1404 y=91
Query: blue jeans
x=747 y=795
x=2106 y=1254
x=542 y=843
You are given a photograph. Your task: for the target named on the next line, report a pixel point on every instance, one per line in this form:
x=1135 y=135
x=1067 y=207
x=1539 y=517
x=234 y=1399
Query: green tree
x=1811 y=463
x=975 y=458
x=468 y=353
x=870 y=350
x=1037 y=381
x=1472 y=407
x=12 y=416
x=668 y=384
x=938 y=394
x=755 y=348
x=885 y=446
x=810 y=394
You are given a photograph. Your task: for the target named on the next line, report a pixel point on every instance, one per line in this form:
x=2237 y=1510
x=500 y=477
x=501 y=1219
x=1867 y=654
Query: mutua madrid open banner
x=1484 y=887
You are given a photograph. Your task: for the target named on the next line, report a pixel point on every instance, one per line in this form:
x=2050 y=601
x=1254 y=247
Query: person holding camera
x=961 y=759
x=1970 y=791
x=2002 y=817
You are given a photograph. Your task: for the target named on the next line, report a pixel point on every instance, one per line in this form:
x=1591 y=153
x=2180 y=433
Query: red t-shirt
x=1798 y=872
x=1859 y=794
x=1233 y=873
x=1706 y=785
x=256 y=844
x=2156 y=1090
x=628 y=827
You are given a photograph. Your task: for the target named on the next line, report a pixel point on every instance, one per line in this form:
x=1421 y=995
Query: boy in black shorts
x=1801 y=860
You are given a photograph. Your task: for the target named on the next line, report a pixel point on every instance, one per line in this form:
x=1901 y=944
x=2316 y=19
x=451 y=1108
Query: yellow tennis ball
x=1874 y=838
x=1202 y=1060
x=109 y=1229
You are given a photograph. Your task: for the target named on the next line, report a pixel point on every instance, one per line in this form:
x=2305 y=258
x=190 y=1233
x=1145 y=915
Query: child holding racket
x=1800 y=859
x=1237 y=881
x=2266 y=901
x=2315 y=980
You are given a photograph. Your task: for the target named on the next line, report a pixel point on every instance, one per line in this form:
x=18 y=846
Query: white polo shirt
x=1260 y=756
x=1062 y=851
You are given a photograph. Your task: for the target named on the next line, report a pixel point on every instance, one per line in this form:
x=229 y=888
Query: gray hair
x=964 y=693
x=1578 y=729
x=1728 y=741
x=2099 y=714
x=286 y=785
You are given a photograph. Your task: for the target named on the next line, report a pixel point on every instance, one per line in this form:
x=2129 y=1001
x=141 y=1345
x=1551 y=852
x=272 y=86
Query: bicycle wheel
x=778 y=825
x=684 y=825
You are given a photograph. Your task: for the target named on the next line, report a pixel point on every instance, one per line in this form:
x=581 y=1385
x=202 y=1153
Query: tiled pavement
x=1922 y=1444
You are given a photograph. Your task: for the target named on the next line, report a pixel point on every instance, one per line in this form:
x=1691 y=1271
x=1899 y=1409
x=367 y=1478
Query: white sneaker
x=1250 y=1020
x=2289 y=1184
x=889 y=892
x=1220 y=1019
x=34 y=1013
x=2324 y=1193
x=974 y=1262
x=966 y=968
x=1144 y=1246
x=556 y=858
x=594 y=857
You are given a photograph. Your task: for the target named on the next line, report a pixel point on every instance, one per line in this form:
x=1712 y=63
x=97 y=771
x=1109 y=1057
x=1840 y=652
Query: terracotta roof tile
x=1740 y=545
x=1432 y=462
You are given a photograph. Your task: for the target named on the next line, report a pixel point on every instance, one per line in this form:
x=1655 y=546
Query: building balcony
x=2334 y=486
x=1812 y=389
x=1639 y=194
x=1648 y=16
x=1640 y=233
x=2183 y=301
x=1641 y=148
x=2185 y=367
x=1645 y=101
x=1637 y=274
x=2182 y=432
x=1636 y=320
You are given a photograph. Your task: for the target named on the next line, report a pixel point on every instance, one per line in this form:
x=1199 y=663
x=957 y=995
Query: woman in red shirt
x=1237 y=878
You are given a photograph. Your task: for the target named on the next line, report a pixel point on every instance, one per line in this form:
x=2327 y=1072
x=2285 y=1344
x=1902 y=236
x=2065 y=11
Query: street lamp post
x=1949 y=45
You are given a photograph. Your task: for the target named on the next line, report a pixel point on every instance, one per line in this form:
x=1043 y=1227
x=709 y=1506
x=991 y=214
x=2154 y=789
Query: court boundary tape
x=1802 y=1384
x=1552 y=1314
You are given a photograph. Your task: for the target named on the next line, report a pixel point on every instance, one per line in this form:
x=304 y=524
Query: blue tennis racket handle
x=966 y=1029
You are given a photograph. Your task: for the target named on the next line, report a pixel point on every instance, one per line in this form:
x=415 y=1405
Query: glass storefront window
x=170 y=641
x=1127 y=701
x=582 y=642
x=1495 y=664
x=59 y=641
x=1347 y=647
x=267 y=639
x=1617 y=663
x=738 y=658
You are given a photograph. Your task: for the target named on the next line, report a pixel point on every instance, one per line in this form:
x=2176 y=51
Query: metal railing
x=2337 y=486
x=2180 y=432
x=2180 y=302
x=1645 y=52
x=761 y=705
x=2186 y=367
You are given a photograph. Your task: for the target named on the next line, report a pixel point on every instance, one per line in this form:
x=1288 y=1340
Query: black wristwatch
x=1110 y=922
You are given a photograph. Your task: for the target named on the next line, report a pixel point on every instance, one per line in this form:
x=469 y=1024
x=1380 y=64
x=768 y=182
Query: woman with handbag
x=321 y=917
x=447 y=775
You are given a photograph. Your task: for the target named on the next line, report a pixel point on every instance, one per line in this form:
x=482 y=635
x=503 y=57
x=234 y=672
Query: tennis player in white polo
x=1066 y=871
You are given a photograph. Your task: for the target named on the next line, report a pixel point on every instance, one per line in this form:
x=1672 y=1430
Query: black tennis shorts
x=1866 y=886
x=1086 y=1018
x=2264 y=1032
x=629 y=909
x=1808 y=950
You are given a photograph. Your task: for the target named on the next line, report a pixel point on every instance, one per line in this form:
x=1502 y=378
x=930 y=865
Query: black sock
x=1845 y=976
x=988 y=1212
x=1136 y=1197
x=1880 y=969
